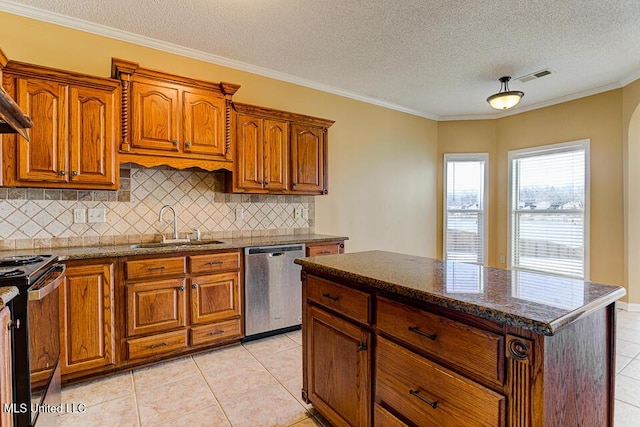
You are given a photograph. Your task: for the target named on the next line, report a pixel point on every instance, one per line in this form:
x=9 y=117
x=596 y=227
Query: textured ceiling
x=435 y=58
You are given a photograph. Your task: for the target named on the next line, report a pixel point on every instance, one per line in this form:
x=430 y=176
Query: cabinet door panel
x=204 y=116
x=214 y=297
x=276 y=154
x=92 y=136
x=307 y=159
x=156 y=115
x=44 y=158
x=6 y=375
x=155 y=307
x=338 y=368
x=87 y=319
x=249 y=168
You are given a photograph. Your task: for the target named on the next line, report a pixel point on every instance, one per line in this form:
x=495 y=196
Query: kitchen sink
x=176 y=244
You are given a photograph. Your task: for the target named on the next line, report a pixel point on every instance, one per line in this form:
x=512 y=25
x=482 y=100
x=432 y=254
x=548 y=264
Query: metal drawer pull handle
x=417 y=394
x=221 y=331
x=324 y=253
x=157 y=268
x=331 y=297
x=424 y=334
x=164 y=344
x=215 y=262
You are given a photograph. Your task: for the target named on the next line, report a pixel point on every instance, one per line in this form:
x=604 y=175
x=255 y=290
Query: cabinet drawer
x=431 y=395
x=213 y=263
x=350 y=302
x=139 y=348
x=384 y=418
x=220 y=331
x=325 y=249
x=473 y=349
x=150 y=268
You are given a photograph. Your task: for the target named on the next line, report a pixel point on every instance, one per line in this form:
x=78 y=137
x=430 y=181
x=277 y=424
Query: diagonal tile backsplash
x=44 y=218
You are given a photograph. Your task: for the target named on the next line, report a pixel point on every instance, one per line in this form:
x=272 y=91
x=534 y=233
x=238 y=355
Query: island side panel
x=579 y=371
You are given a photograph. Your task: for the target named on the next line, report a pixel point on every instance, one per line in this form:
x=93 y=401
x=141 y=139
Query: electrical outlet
x=97 y=215
x=239 y=214
x=297 y=212
x=79 y=216
x=502 y=259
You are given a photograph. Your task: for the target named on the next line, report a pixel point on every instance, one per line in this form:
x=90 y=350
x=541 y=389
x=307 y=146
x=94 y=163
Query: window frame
x=541 y=150
x=484 y=157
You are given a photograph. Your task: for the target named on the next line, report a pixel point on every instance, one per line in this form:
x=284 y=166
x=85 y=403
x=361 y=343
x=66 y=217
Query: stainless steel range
x=35 y=336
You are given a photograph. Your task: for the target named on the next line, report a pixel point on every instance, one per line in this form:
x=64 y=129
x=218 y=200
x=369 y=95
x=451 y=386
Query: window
x=549 y=209
x=465 y=216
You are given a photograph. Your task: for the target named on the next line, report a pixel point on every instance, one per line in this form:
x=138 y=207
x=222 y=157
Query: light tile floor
x=258 y=384
x=249 y=385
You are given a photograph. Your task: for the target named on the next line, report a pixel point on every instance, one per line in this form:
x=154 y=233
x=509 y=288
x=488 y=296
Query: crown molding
x=113 y=33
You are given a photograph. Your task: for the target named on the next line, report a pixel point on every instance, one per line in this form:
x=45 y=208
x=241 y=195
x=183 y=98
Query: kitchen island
x=395 y=340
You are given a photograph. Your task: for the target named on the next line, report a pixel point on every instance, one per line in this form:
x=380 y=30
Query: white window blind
x=465 y=190
x=548 y=206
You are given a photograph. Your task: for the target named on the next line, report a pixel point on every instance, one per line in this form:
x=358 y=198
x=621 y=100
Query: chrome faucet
x=175 y=226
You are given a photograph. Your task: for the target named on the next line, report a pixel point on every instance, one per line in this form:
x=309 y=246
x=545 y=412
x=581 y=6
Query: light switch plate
x=79 y=216
x=97 y=215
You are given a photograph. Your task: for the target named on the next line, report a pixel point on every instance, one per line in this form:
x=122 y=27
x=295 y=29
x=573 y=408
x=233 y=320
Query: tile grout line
x=212 y=392
x=309 y=414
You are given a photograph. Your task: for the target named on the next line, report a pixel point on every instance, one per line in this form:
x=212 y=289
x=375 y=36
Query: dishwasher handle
x=272 y=254
x=280 y=250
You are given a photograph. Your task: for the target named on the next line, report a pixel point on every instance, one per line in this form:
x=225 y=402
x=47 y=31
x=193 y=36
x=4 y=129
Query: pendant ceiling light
x=506 y=98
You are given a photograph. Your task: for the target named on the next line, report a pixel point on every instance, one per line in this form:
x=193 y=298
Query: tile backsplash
x=44 y=218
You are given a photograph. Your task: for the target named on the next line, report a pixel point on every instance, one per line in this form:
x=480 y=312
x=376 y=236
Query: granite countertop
x=542 y=303
x=88 y=252
x=7 y=293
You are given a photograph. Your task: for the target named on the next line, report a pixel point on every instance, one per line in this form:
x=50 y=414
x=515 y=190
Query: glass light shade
x=505 y=100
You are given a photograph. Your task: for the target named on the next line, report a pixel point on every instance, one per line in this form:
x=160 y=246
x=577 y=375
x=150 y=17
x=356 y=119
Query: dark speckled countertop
x=88 y=252
x=541 y=303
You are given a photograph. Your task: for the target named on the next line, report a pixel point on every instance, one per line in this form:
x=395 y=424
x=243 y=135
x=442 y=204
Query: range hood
x=12 y=119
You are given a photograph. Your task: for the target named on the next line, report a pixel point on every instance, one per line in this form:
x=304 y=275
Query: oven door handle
x=48 y=283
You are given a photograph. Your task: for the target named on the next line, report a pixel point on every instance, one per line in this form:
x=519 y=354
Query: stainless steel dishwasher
x=273 y=291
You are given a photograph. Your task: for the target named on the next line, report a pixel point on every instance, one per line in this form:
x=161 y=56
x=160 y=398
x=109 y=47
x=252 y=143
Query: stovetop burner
x=20 y=260
x=10 y=272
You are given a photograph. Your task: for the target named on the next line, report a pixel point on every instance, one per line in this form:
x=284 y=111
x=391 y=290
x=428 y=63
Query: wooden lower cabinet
x=338 y=368
x=179 y=303
x=87 y=318
x=6 y=375
x=325 y=248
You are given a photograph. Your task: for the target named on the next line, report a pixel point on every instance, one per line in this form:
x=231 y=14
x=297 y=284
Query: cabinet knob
x=295 y=184
x=175 y=142
x=266 y=183
x=194 y=286
x=74 y=173
x=362 y=346
x=181 y=288
x=187 y=144
x=62 y=173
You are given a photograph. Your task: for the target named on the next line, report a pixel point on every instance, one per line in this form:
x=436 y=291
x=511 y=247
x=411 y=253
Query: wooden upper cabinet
x=204 y=124
x=262 y=147
x=308 y=159
x=44 y=158
x=92 y=136
x=73 y=140
x=279 y=152
x=276 y=154
x=249 y=143
x=173 y=120
x=155 y=117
